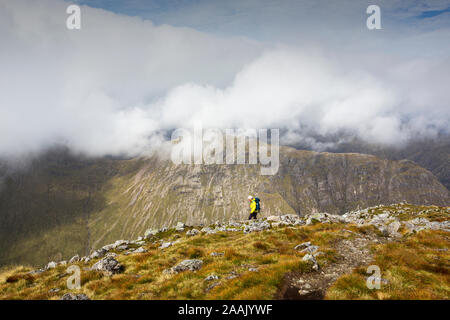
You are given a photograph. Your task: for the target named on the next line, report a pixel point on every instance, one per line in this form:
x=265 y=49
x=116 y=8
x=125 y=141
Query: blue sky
x=228 y=16
x=432 y=13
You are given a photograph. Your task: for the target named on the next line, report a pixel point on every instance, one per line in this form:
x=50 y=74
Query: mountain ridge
x=317 y=256
x=83 y=203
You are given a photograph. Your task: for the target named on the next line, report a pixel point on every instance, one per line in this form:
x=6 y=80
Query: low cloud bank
x=121 y=84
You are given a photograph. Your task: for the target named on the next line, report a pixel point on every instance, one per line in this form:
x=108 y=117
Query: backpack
x=257 y=204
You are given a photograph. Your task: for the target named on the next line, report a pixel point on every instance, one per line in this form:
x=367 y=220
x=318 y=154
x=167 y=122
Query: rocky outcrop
x=186 y=265
x=72 y=296
x=109 y=265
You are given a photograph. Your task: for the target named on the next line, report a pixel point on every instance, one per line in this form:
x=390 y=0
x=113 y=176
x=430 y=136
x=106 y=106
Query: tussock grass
x=416 y=268
x=270 y=252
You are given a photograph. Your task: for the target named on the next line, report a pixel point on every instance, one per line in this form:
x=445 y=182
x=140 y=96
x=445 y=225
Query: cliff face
x=432 y=154
x=337 y=183
x=66 y=205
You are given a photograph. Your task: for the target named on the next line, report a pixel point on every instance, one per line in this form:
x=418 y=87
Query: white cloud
x=111 y=87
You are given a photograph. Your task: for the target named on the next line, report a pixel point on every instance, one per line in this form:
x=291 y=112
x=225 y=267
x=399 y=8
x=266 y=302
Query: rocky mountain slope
x=68 y=204
x=432 y=154
x=317 y=256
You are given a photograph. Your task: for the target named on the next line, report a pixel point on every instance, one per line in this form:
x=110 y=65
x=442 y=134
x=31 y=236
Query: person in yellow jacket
x=254 y=207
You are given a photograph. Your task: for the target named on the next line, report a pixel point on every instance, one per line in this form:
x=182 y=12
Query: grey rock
x=192 y=232
x=273 y=218
x=311 y=258
x=74 y=259
x=383 y=229
x=85 y=259
x=311 y=249
x=140 y=250
x=165 y=245
x=111 y=255
x=180 y=226
x=38 y=271
x=302 y=246
x=150 y=233
x=393 y=227
x=212 y=277
x=303 y=292
x=108 y=264
x=256 y=226
x=119 y=243
x=108 y=247
x=316 y=217
x=208 y=230
x=212 y=286
x=98 y=253
x=186 y=265
x=122 y=247
x=71 y=296
x=51 y=265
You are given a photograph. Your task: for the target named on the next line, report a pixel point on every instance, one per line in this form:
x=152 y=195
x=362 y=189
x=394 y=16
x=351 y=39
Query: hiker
x=254 y=207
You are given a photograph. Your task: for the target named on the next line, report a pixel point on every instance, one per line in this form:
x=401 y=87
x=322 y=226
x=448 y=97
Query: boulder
x=302 y=246
x=108 y=264
x=51 y=265
x=98 y=253
x=119 y=243
x=212 y=277
x=85 y=259
x=315 y=218
x=208 y=230
x=180 y=226
x=139 y=250
x=71 y=296
x=165 y=245
x=289 y=218
x=186 y=265
x=74 y=259
x=150 y=233
x=393 y=227
x=256 y=226
x=108 y=247
x=192 y=232
x=311 y=258
x=311 y=249
x=122 y=247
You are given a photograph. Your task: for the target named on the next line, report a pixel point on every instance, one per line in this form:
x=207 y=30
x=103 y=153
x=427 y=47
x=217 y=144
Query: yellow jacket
x=252 y=206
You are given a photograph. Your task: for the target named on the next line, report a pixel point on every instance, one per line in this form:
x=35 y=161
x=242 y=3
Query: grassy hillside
x=265 y=264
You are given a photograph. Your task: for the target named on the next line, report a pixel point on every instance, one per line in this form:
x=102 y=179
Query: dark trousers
x=252 y=215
